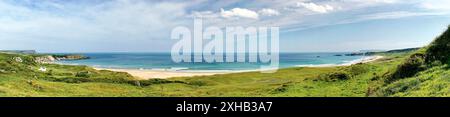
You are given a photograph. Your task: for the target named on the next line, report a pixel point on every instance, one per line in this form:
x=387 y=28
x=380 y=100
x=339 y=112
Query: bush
x=155 y=81
x=281 y=89
x=68 y=79
x=83 y=74
x=197 y=83
x=335 y=76
x=358 y=69
x=414 y=64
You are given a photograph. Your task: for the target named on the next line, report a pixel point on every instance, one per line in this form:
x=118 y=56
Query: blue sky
x=145 y=25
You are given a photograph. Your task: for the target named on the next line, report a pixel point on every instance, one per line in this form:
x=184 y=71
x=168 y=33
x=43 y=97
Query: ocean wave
x=344 y=63
x=171 y=69
x=317 y=65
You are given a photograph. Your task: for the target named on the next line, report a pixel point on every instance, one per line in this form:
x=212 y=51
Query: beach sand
x=149 y=74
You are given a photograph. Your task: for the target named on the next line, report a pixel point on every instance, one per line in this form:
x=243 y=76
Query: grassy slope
x=429 y=72
x=433 y=82
x=385 y=77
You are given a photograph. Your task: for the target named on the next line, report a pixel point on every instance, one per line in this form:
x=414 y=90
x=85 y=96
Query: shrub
x=414 y=64
x=197 y=83
x=49 y=72
x=84 y=74
x=358 y=69
x=68 y=79
x=281 y=89
x=155 y=81
x=335 y=76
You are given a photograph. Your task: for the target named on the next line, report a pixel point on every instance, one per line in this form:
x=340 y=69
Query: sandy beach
x=149 y=74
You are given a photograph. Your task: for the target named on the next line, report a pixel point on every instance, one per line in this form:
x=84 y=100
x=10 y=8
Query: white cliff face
x=45 y=59
x=53 y=58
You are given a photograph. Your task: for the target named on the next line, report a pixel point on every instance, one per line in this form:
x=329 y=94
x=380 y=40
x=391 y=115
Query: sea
x=163 y=61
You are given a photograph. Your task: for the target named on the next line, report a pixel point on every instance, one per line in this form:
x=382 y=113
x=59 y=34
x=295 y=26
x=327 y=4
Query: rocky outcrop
x=69 y=57
x=44 y=59
x=53 y=58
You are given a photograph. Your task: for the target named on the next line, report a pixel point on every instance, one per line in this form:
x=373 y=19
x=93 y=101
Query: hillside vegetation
x=423 y=72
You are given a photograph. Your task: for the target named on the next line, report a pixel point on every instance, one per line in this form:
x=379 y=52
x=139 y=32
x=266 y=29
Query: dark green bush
x=335 y=76
x=84 y=74
x=155 y=81
x=68 y=79
x=439 y=49
x=281 y=89
x=358 y=69
x=197 y=83
x=414 y=64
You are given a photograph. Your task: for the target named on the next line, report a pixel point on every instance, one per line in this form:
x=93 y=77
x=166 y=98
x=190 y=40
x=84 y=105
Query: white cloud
x=375 y=1
x=119 y=21
x=81 y=26
x=268 y=12
x=316 y=8
x=436 y=4
x=396 y=15
x=113 y=20
x=239 y=12
x=204 y=14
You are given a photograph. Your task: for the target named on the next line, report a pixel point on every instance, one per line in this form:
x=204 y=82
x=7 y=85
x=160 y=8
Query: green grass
x=24 y=79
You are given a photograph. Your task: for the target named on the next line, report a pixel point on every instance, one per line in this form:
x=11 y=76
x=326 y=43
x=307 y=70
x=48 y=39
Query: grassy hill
x=423 y=72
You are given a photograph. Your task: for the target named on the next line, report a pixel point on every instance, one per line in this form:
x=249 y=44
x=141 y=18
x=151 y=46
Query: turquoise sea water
x=163 y=61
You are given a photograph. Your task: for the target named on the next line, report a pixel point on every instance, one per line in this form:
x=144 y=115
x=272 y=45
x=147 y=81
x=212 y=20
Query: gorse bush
x=411 y=66
x=156 y=81
x=84 y=74
x=335 y=76
x=197 y=83
x=358 y=69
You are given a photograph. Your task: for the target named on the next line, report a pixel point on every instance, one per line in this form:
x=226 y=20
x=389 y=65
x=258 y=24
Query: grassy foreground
x=416 y=73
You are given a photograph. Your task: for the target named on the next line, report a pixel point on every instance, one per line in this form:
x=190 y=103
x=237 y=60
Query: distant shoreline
x=163 y=74
x=363 y=60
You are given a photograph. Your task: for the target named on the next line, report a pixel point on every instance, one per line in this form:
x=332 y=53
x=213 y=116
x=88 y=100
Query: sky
x=145 y=25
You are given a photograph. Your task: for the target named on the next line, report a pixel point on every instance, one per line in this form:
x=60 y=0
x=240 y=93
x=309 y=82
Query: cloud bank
x=86 y=23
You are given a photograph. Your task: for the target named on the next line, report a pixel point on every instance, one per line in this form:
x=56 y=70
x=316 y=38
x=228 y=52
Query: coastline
x=362 y=60
x=163 y=74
